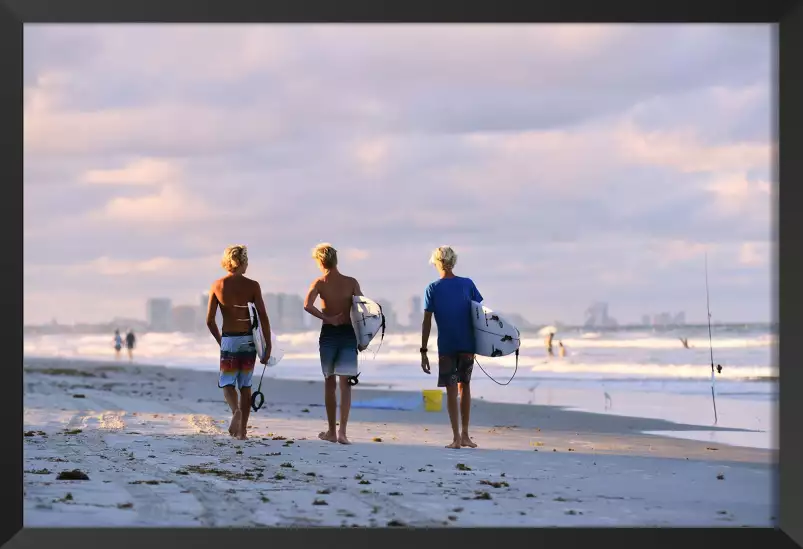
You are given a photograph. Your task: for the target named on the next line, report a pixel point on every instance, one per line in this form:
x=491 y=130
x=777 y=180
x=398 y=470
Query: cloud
x=110 y=267
x=372 y=156
x=682 y=150
x=754 y=254
x=144 y=171
x=169 y=206
x=591 y=160
x=356 y=254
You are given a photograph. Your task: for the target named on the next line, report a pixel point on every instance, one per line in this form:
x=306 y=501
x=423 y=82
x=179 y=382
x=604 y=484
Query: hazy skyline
x=566 y=164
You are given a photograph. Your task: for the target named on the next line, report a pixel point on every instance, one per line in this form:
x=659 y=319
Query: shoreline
x=532 y=418
x=152 y=441
x=652 y=411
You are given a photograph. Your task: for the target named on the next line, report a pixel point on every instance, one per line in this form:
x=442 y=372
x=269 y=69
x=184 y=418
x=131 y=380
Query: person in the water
x=130 y=341
x=118 y=344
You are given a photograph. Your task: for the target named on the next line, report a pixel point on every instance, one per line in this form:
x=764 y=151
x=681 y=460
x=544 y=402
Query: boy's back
x=336 y=291
x=449 y=299
x=234 y=292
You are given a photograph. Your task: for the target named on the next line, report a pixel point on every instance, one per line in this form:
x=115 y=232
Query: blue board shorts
x=338 y=348
x=238 y=355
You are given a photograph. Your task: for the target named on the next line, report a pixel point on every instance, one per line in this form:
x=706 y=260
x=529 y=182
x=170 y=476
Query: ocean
x=639 y=372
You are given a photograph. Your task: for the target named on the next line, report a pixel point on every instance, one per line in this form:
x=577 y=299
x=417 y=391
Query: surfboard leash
x=382 y=336
x=491 y=378
x=258 y=393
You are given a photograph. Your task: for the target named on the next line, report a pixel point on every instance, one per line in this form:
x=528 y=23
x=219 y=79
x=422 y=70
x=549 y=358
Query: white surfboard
x=259 y=341
x=493 y=335
x=367 y=319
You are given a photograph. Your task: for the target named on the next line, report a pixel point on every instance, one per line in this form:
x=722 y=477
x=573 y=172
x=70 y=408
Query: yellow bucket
x=433 y=400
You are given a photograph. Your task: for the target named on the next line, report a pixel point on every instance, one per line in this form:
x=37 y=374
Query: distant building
x=185 y=318
x=416 y=312
x=159 y=312
x=285 y=311
x=274 y=307
x=597 y=316
x=391 y=320
x=668 y=319
x=200 y=317
x=292 y=312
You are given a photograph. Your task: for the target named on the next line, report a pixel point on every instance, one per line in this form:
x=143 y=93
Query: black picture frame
x=789 y=18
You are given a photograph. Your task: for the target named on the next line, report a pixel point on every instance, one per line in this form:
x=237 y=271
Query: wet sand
x=154 y=445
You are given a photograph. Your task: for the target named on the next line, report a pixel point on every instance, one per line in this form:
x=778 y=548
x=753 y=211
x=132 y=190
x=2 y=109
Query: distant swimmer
x=238 y=353
x=685 y=342
x=118 y=343
x=562 y=350
x=548 y=343
x=130 y=341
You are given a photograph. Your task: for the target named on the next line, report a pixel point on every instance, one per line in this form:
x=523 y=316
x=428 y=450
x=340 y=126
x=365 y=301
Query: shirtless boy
x=337 y=342
x=232 y=294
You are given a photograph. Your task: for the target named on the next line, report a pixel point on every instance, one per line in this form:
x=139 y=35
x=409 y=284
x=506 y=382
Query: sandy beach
x=153 y=448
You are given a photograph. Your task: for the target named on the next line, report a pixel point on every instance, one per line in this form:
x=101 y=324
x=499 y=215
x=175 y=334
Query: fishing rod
x=710 y=342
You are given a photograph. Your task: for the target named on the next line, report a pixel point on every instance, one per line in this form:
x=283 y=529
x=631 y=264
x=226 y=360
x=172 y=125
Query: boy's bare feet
x=342 y=439
x=234 y=426
x=455 y=444
x=328 y=436
x=466 y=441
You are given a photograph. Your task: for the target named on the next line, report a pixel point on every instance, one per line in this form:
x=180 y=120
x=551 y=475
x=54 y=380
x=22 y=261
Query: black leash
x=258 y=393
x=497 y=352
x=492 y=379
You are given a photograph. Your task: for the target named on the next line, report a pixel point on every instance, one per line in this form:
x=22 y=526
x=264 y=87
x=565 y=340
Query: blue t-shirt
x=449 y=300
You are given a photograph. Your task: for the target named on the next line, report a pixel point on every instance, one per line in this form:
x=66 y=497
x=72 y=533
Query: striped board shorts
x=238 y=356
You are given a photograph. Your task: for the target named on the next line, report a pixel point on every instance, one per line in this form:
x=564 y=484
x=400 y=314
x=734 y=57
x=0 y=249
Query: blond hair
x=234 y=257
x=326 y=255
x=444 y=257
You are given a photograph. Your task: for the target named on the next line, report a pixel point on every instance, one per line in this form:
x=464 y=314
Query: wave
x=743 y=359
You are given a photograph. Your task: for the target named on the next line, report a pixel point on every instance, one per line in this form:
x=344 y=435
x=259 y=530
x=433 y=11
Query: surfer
x=232 y=294
x=561 y=349
x=118 y=344
x=548 y=343
x=449 y=300
x=130 y=340
x=337 y=343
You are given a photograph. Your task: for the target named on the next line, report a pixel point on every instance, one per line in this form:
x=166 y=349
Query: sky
x=565 y=164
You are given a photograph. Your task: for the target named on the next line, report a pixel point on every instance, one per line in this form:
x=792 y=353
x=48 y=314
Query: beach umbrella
x=546 y=330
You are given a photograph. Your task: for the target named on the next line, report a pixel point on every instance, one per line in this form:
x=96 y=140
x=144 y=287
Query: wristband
x=423 y=350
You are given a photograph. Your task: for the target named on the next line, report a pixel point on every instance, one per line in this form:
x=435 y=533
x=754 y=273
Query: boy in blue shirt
x=449 y=299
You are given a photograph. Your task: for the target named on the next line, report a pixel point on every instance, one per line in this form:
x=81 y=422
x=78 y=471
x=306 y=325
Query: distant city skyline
x=567 y=164
x=287 y=315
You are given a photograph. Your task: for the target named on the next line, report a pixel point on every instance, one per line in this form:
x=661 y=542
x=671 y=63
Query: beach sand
x=154 y=445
